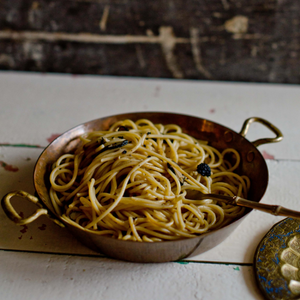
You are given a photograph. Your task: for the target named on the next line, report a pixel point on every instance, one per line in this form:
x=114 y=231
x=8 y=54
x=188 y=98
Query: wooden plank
x=49 y=105
x=66 y=277
x=255 y=41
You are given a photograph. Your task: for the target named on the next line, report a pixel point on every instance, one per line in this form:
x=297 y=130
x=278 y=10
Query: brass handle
x=276 y=210
x=16 y=218
x=273 y=128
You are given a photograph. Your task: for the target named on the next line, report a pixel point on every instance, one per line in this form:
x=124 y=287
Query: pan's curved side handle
x=16 y=218
x=273 y=128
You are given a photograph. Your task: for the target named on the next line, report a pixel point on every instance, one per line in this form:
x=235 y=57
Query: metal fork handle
x=276 y=210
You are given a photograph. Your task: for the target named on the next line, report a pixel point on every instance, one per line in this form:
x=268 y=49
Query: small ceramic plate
x=277 y=261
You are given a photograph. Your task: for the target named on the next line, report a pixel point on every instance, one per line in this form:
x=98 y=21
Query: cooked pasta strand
x=131 y=183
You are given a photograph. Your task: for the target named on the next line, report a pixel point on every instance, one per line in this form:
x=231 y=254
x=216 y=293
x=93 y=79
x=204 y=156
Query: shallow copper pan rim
x=157 y=251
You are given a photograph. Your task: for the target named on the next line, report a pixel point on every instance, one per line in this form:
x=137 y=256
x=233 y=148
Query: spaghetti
x=135 y=181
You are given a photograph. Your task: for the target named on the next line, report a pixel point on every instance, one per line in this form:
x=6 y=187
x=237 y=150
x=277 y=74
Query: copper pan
x=252 y=164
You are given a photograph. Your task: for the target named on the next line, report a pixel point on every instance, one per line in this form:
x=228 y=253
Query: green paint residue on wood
x=183 y=262
x=236 y=269
x=21 y=145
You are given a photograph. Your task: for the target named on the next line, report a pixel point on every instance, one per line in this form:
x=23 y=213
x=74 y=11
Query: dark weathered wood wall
x=234 y=40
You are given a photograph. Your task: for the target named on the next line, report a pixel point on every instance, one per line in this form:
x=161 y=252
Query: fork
x=276 y=210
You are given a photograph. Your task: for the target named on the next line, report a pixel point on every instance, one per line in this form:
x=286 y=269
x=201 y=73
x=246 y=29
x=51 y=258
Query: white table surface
x=43 y=261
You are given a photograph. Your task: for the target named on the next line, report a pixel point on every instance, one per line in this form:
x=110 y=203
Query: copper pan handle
x=273 y=128
x=16 y=218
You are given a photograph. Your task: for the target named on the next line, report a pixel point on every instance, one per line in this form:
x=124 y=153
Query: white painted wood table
x=43 y=261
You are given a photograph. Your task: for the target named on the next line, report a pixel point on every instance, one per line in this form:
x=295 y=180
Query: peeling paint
x=248 y=36
x=35 y=15
x=183 y=262
x=43 y=227
x=53 y=137
x=7 y=60
x=157 y=90
x=35 y=5
x=149 y=32
x=34 y=51
x=20 y=145
x=238 y=24
x=166 y=39
x=88 y=37
x=254 y=51
x=266 y=155
x=104 y=18
x=225 y=4
x=196 y=50
x=8 y=167
x=24 y=230
x=140 y=56
x=168 y=42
